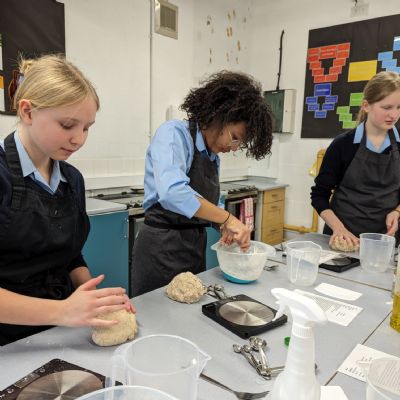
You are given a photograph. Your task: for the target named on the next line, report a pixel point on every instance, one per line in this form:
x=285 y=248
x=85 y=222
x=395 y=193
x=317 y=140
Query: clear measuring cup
x=302 y=262
x=383 y=381
x=165 y=362
x=127 y=393
x=376 y=251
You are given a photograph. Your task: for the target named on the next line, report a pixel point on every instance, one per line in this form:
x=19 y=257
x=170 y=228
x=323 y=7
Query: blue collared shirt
x=168 y=161
x=386 y=143
x=29 y=169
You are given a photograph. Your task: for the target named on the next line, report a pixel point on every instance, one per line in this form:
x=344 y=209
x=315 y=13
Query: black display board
x=30 y=28
x=340 y=61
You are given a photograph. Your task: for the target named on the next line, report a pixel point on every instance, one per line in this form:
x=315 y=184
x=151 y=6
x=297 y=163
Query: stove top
x=133 y=201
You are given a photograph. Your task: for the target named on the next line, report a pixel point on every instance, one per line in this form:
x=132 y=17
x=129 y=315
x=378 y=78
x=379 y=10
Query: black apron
x=40 y=235
x=369 y=190
x=169 y=243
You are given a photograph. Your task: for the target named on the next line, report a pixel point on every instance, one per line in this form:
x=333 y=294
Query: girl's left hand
x=392 y=223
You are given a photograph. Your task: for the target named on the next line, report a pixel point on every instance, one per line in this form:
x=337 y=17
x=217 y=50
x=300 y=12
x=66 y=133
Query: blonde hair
x=52 y=81
x=378 y=87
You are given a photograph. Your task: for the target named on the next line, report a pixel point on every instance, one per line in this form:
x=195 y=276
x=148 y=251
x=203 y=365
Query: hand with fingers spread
x=83 y=307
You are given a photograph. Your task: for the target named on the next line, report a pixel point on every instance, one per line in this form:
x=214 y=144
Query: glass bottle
x=395 y=318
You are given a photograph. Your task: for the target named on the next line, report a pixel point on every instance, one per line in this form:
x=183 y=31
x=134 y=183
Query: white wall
x=296 y=18
x=110 y=42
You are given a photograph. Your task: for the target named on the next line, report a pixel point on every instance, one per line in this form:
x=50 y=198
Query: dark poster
x=31 y=28
x=340 y=61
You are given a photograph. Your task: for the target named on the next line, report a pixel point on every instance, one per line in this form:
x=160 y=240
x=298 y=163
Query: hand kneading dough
x=341 y=245
x=185 y=288
x=115 y=334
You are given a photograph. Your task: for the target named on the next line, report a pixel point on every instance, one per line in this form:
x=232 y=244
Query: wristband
x=229 y=214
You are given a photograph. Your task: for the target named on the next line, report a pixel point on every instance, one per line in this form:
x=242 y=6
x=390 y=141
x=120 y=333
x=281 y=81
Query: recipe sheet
x=361 y=355
x=336 y=311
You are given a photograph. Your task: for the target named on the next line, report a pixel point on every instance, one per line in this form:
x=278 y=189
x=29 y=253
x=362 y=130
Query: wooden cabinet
x=273 y=209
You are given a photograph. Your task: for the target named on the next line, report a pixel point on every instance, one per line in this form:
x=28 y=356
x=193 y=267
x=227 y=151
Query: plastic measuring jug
x=376 y=251
x=302 y=262
x=165 y=362
x=127 y=393
x=382 y=380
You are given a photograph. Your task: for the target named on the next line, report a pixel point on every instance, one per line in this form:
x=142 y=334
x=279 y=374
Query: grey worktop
x=384 y=339
x=158 y=314
x=96 y=206
x=381 y=280
x=261 y=183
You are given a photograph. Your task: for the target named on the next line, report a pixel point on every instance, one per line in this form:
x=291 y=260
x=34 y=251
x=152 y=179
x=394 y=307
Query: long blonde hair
x=378 y=87
x=52 y=81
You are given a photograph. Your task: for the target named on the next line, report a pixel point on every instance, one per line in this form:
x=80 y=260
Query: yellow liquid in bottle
x=395 y=318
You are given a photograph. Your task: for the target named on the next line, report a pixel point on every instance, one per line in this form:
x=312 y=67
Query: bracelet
x=229 y=214
x=397 y=210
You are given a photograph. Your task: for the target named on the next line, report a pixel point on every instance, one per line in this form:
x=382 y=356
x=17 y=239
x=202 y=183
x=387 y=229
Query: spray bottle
x=298 y=380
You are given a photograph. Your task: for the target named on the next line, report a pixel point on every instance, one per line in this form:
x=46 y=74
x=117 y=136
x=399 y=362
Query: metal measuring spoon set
x=251 y=351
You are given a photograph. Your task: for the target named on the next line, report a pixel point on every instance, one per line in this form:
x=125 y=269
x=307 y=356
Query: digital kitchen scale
x=56 y=379
x=340 y=263
x=243 y=315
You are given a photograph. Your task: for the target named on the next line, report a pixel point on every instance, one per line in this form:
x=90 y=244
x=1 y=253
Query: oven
x=134 y=203
x=235 y=194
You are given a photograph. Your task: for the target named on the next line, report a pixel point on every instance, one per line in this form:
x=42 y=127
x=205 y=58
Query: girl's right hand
x=234 y=229
x=83 y=307
x=343 y=234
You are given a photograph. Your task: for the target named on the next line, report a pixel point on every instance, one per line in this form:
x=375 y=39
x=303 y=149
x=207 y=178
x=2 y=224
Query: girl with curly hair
x=181 y=183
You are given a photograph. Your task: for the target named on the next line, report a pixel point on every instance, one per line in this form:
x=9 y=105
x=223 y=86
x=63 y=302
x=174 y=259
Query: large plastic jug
x=383 y=380
x=127 y=393
x=376 y=251
x=302 y=262
x=166 y=362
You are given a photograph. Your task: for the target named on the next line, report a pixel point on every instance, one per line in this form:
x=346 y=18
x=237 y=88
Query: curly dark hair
x=232 y=97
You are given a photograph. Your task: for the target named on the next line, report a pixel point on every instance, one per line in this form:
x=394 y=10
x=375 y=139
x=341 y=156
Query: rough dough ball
x=186 y=288
x=341 y=245
x=115 y=334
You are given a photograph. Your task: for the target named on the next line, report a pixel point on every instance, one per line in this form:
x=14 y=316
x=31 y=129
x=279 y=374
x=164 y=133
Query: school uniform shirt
x=171 y=185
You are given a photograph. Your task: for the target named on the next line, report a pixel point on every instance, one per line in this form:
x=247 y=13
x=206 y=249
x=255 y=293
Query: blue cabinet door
x=106 y=249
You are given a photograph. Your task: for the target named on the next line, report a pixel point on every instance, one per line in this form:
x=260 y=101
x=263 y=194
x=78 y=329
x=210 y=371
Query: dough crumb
x=115 y=334
x=185 y=288
x=339 y=244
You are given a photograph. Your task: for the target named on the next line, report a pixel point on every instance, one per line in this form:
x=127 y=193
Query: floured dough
x=341 y=245
x=115 y=334
x=185 y=288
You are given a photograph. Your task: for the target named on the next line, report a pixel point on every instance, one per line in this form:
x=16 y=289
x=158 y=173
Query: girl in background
x=362 y=167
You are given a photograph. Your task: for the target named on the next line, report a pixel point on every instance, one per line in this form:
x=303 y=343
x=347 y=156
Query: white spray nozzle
x=304 y=311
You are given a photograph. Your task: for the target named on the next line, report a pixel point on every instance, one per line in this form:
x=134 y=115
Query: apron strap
x=14 y=165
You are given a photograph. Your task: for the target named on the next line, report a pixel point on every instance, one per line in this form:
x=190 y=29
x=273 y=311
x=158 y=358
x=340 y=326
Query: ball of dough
x=185 y=288
x=115 y=334
x=340 y=244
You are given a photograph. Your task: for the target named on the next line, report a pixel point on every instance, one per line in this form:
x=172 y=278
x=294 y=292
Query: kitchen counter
x=261 y=183
x=382 y=280
x=158 y=314
x=96 y=206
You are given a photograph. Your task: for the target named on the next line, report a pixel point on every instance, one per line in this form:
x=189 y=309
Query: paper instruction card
x=338 y=292
x=361 y=354
x=332 y=393
x=336 y=311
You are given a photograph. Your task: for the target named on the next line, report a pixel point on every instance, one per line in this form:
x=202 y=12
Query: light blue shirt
x=386 y=143
x=168 y=161
x=29 y=169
